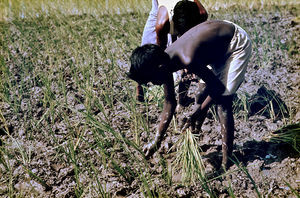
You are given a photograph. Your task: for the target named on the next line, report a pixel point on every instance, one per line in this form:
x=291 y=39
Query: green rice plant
x=148 y=188
x=245 y=171
x=155 y=94
x=214 y=112
x=37 y=178
x=295 y=192
x=241 y=105
x=100 y=190
x=72 y=156
x=3 y=123
x=271 y=110
x=23 y=157
x=289 y=134
x=189 y=160
x=188 y=157
x=276 y=102
x=121 y=141
x=139 y=120
x=166 y=174
x=230 y=191
x=10 y=9
x=146 y=185
x=266 y=102
x=9 y=179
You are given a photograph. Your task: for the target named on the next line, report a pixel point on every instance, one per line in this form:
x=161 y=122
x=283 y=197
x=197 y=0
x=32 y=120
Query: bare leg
x=183 y=89
x=201 y=93
x=139 y=93
x=199 y=113
x=227 y=129
x=199 y=99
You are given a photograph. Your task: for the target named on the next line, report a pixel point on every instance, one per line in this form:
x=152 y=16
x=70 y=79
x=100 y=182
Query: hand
x=151 y=148
x=186 y=101
x=193 y=122
x=187 y=122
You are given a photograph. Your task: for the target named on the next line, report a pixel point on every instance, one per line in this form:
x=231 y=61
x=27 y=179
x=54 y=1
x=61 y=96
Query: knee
x=225 y=103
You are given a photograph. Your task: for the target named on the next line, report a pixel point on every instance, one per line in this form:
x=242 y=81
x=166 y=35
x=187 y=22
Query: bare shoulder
x=206 y=31
x=221 y=28
x=206 y=41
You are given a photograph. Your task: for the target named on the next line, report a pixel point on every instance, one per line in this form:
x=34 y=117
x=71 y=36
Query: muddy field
x=70 y=125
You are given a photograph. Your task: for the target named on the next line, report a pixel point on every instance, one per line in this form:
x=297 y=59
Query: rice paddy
x=70 y=125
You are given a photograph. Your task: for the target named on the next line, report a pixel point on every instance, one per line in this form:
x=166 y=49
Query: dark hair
x=145 y=62
x=186 y=16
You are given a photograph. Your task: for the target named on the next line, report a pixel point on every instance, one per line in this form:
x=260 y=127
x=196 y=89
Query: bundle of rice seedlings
x=188 y=158
x=289 y=134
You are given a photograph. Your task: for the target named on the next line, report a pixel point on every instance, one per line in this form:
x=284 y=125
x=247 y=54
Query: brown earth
x=271 y=165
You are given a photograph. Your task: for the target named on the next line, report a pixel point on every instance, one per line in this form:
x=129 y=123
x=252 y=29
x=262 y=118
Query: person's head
x=149 y=64
x=186 y=16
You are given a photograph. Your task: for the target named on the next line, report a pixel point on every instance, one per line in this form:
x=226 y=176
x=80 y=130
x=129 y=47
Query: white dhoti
x=232 y=73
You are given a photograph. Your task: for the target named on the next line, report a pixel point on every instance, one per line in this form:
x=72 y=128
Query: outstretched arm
x=166 y=117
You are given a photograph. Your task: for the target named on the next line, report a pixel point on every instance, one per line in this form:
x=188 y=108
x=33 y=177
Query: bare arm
x=200 y=110
x=212 y=92
x=162 y=27
x=203 y=102
x=215 y=87
x=166 y=117
x=202 y=11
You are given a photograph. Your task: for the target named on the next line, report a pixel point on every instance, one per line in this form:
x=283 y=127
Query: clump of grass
x=189 y=158
x=265 y=102
x=289 y=134
x=241 y=105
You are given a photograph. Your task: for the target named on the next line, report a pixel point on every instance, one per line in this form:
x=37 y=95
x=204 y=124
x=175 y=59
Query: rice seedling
x=189 y=158
x=230 y=191
x=245 y=171
x=33 y=8
x=189 y=162
x=99 y=187
x=146 y=186
x=289 y=134
x=166 y=173
x=39 y=179
x=241 y=105
x=9 y=180
x=296 y=193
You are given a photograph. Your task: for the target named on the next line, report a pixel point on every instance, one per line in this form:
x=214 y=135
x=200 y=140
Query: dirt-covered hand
x=188 y=122
x=149 y=149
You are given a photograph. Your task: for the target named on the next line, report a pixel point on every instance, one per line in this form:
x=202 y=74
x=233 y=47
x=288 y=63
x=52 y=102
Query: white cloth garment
x=232 y=73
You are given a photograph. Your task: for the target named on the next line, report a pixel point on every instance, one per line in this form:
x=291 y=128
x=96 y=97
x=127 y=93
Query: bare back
x=204 y=44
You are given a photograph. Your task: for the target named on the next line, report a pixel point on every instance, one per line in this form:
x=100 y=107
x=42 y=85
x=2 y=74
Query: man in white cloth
x=159 y=29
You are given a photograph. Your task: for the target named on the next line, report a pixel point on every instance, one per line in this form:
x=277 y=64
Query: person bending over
x=224 y=46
